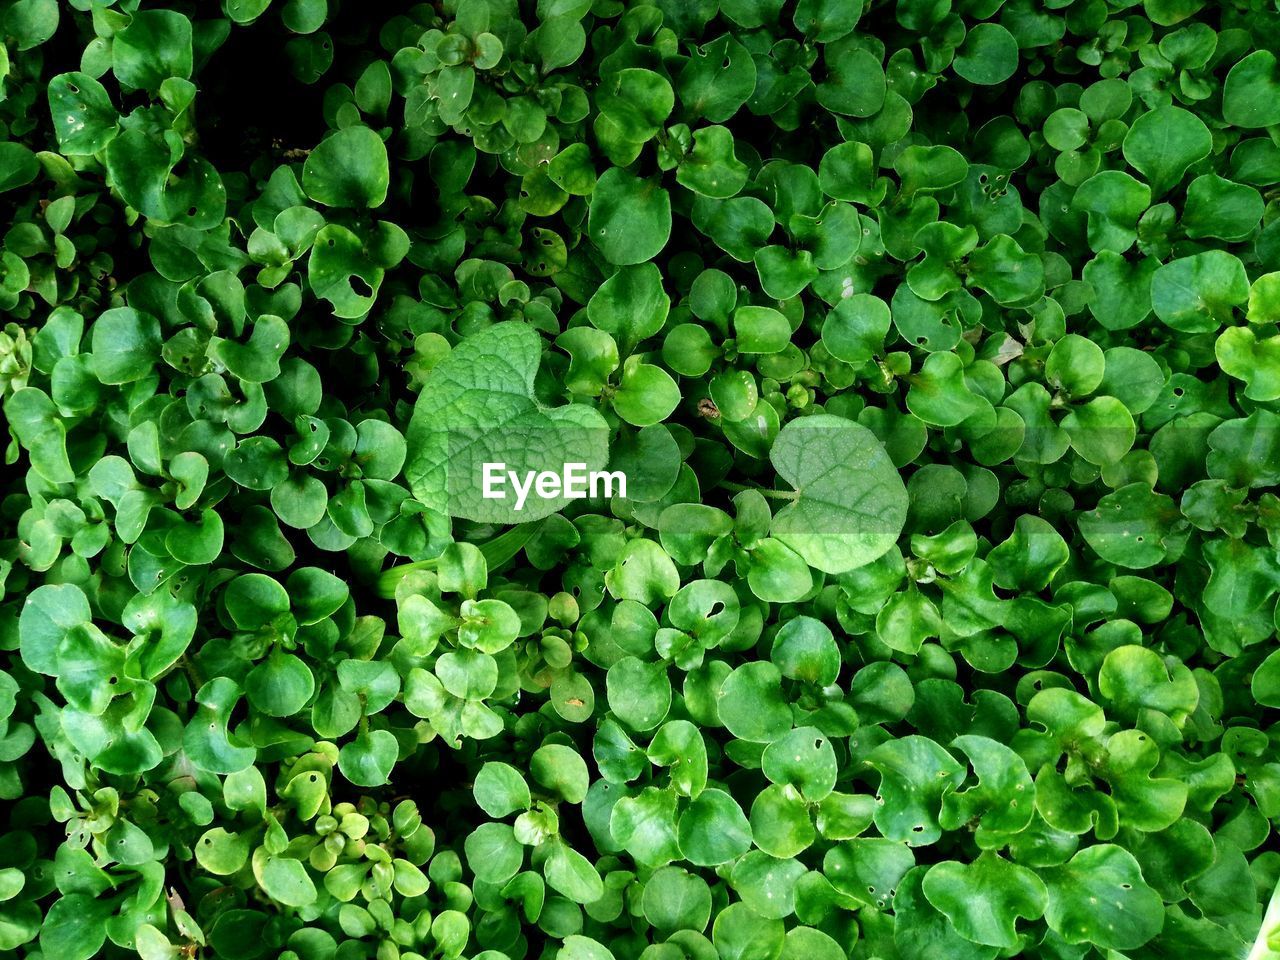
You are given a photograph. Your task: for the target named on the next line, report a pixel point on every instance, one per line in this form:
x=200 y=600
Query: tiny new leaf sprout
x=882 y=400
x=1267 y=944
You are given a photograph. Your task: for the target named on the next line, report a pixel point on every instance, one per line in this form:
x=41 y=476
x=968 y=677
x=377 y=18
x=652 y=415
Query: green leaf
x=1010 y=274
x=752 y=704
x=803 y=759
x=805 y=649
x=915 y=775
x=42 y=432
x=645 y=826
x=156 y=45
x=367 y=760
x=630 y=306
x=639 y=693
x=740 y=933
x=571 y=874
x=1197 y=294
x=850 y=507
x=717 y=79
x=18 y=167
x=285 y=880
x=713 y=829
x=254 y=600
x=493 y=853
x=1218 y=208
x=561 y=770
x=577 y=947
x=675 y=899
x=630 y=220
x=679 y=746
x=1131 y=526
x=32 y=22
x=48 y=613
x=84 y=117
x=784 y=273
x=500 y=789
x=1030 y=557
x=207 y=740
x=646 y=394
x=768 y=885
x=1099 y=897
x=711 y=168
x=1002 y=802
x=985 y=899
x=1114 y=203
x=478 y=407
x=348 y=169
x=921 y=931
x=1124 y=288
x=855 y=81
x=1265 y=685
x=988 y=56
x=280 y=686
x=1251 y=93
x=1257 y=362
x=1163 y=143
x=126 y=345
x=75 y=927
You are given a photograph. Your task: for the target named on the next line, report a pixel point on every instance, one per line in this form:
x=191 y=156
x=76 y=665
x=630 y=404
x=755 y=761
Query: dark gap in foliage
x=251 y=103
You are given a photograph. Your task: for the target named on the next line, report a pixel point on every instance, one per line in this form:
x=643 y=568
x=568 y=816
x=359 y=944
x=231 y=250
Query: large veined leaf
x=477 y=407
x=850 y=503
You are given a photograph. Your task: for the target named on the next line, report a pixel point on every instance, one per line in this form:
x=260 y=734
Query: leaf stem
x=497 y=551
x=390 y=578
x=775 y=494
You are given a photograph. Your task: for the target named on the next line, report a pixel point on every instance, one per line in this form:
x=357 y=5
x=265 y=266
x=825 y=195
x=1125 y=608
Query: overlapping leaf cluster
x=938 y=342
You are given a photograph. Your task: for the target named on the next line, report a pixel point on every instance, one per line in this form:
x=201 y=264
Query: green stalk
x=775 y=494
x=496 y=551
x=1267 y=945
x=390 y=578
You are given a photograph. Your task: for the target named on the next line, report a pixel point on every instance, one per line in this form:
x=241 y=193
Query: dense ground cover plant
x=937 y=340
